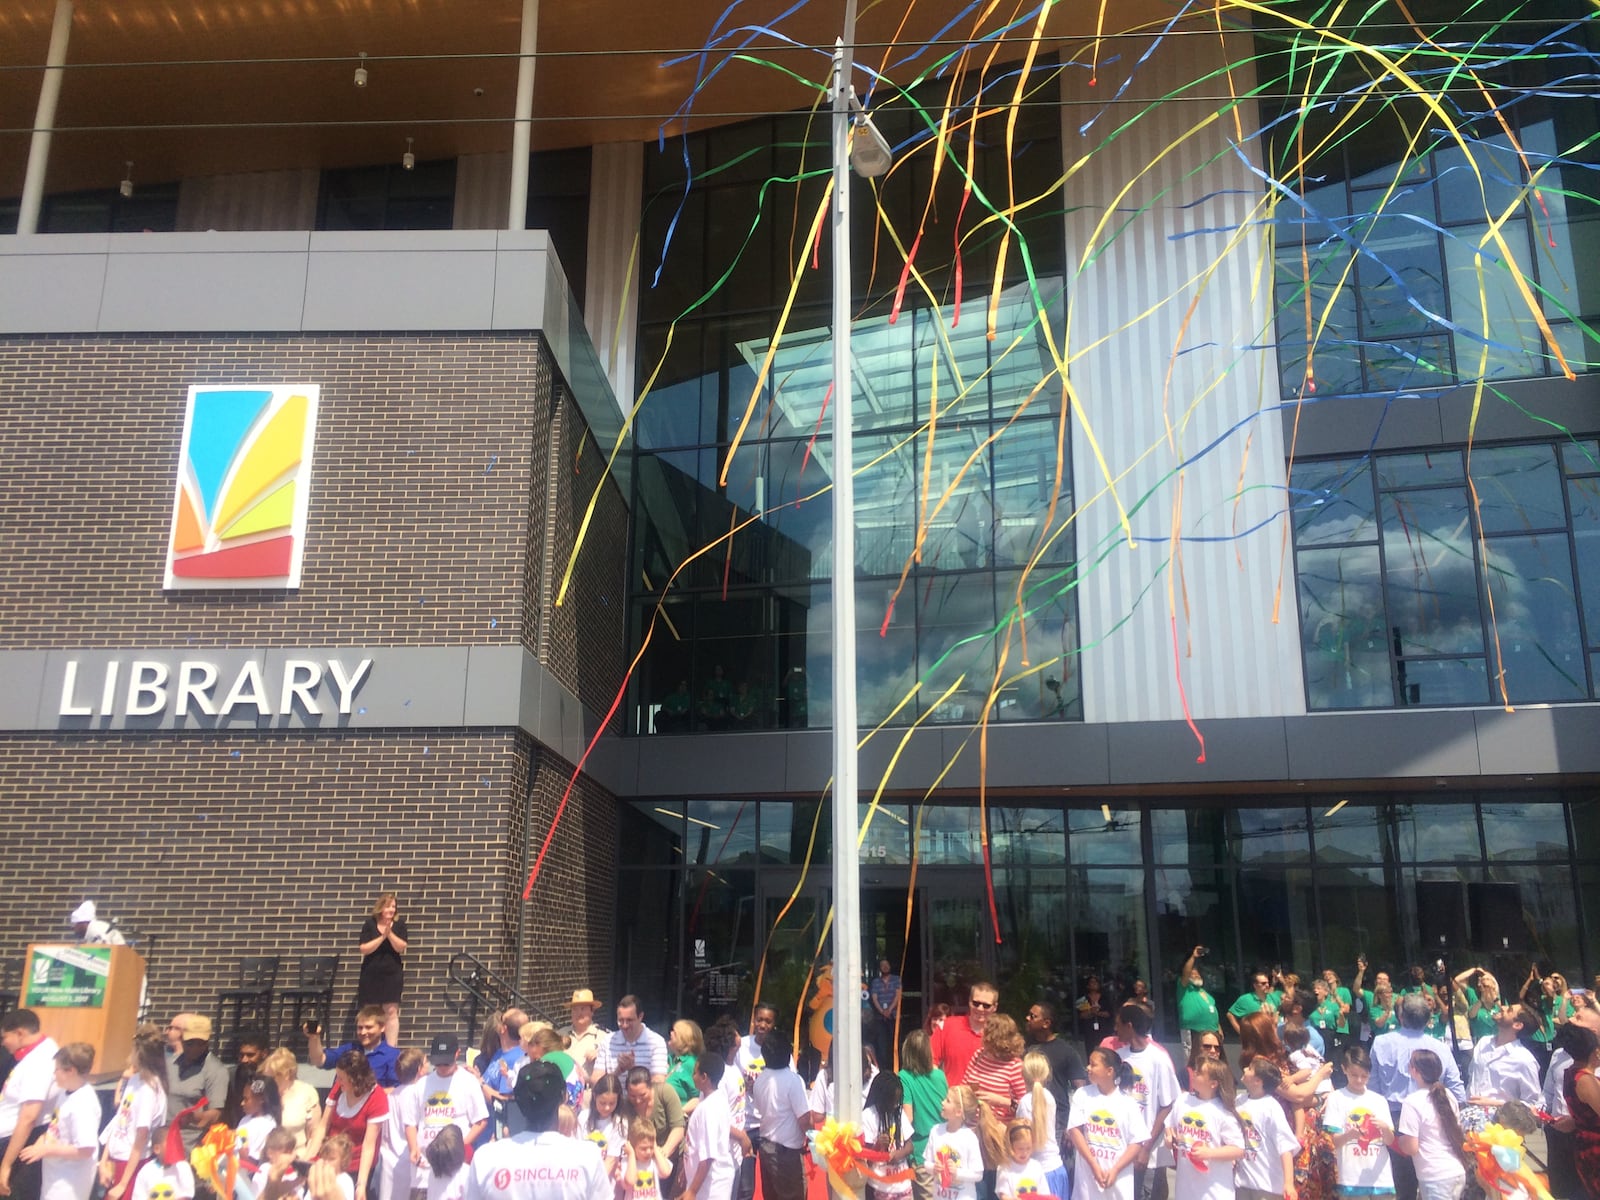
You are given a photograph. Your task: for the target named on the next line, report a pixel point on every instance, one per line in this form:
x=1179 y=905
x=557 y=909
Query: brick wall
x=419 y=495
x=220 y=847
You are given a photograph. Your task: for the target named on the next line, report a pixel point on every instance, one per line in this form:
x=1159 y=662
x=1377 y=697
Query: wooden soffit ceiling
x=198 y=87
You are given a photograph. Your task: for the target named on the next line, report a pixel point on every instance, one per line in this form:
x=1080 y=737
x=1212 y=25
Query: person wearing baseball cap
x=194 y=1074
x=448 y=1096
x=539 y=1164
x=585 y=1038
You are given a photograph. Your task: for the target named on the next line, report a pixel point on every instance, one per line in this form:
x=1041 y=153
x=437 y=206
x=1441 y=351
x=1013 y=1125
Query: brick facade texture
x=447 y=485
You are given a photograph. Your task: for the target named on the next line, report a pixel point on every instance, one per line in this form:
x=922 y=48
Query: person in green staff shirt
x=1259 y=997
x=1481 y=1002
x=1197 y=1010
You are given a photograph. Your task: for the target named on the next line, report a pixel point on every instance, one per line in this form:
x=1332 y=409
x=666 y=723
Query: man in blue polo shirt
x=369 y=1040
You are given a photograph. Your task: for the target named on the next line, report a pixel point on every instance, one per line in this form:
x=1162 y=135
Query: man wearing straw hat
x=584 y=1037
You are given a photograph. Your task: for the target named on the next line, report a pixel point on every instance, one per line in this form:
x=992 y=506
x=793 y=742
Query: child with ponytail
x=1430 y=1132
x=1107 y=1128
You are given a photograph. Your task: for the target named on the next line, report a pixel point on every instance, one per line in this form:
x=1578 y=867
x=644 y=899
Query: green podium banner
x=68 y=977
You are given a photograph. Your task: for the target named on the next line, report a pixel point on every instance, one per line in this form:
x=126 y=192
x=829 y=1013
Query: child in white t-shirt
x=260 y=1113
x=953 y=1152
x=129 y=1138
x=1107 y=1127
x=1267 y=1168
x=1359 y=1125
x=394 y=1155
x=67 y=1149
x=159 y=1181
x=1021 y=1175
x=1204 y=1135
x=447 y=1165
x=886 y=1127
x=1038 y=1105
x=641 y=1178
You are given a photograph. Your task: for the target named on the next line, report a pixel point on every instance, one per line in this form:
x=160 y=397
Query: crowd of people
x=1333 y=1091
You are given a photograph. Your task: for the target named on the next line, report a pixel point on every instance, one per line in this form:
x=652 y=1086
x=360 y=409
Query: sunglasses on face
x=980 y=1004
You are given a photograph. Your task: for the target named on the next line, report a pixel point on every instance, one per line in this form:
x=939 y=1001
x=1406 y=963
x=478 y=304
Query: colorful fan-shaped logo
x=244 y=478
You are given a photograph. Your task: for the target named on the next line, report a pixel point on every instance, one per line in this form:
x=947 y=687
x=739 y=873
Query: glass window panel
x=1535 y=617
x=1357 y=833
x=790 y=944
x=1036 y=939
x=890 y=361
x=1427 y=469
x=1024 y=465
x=1442 y=681
x=1441 y=892
x=1359 y=918
x=959 y=936
x=1487 y=305
x=958 y=504
x=1397 y=364
x=1021 y=367
x=682 y=403
x=648 y=933
x=1441 y=832
x=1108 y=834
x=1269 y=836
x=721 y=832
x=950 y=836
x=804 y=657
x=955 y=643
x=679 y=513
x=796 y=521
x=1581 y=457
x=738 y=247
x=1589 y=904
x=664 y=684
x=1326 y=332
x=1332 y=502
x=888 y=837
x=888 y=481
x=670 y=284
x=1109 y=937
x=1528 y=825
x=1549 y=916
x=1027 y=835
x=1431 y=577
x=787 y=829
x=1400 y=277
x=1584 y=497
x=1495 y=161
x=1281 y=930
x=1195 y=836
x=735 y=663
x=1571 y=289
x=1052 y=691
x=1586 y=826
x=650 y=833
x=886 y=655
x=1576 y=346
x=1519 y=488
x=719 y=943
x=1193 y=908
x=1343 y=628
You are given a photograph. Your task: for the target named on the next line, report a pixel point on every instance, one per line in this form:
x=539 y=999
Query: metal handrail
x=483 y=990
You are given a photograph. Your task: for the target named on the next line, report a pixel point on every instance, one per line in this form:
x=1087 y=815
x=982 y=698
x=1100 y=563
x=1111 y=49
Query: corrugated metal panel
x=1178 y=251
x=611 y=301
x=483 y=191
x=259 y=200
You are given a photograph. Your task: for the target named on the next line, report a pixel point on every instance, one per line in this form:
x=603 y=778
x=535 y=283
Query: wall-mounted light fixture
x=126 y=186
x=408 y=160
x=361 y=71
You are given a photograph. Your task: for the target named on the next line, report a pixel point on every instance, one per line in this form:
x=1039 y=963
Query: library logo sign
x=244 y=482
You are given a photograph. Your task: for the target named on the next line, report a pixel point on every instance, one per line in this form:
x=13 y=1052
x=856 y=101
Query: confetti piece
x=493 y=458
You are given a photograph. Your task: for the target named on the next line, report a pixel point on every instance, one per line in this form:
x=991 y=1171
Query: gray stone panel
x=614 y=765
x=51 y=283
x=1562 y=739
x=1418 y=744
x=807 y=761
x=1050 y=755
x=203 y=292
x=494 y=685
x=921 y=757
x=1162 y=752
x=1574 y=404
x=24 y=697
x=398 y=289
x=1348 y=425
x=519 y=288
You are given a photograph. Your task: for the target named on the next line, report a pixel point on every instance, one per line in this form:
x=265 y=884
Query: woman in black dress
x=383 y=971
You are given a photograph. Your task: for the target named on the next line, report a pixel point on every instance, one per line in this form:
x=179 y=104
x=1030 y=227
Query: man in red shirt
x=958 y=1039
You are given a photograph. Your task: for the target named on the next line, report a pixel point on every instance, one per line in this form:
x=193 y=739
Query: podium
x=86 y=994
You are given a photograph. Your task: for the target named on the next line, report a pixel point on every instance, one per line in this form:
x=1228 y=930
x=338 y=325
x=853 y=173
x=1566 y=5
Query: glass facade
x=1399 y=249
x=1120 y=891
x=1449 y=577
x=962 y=485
